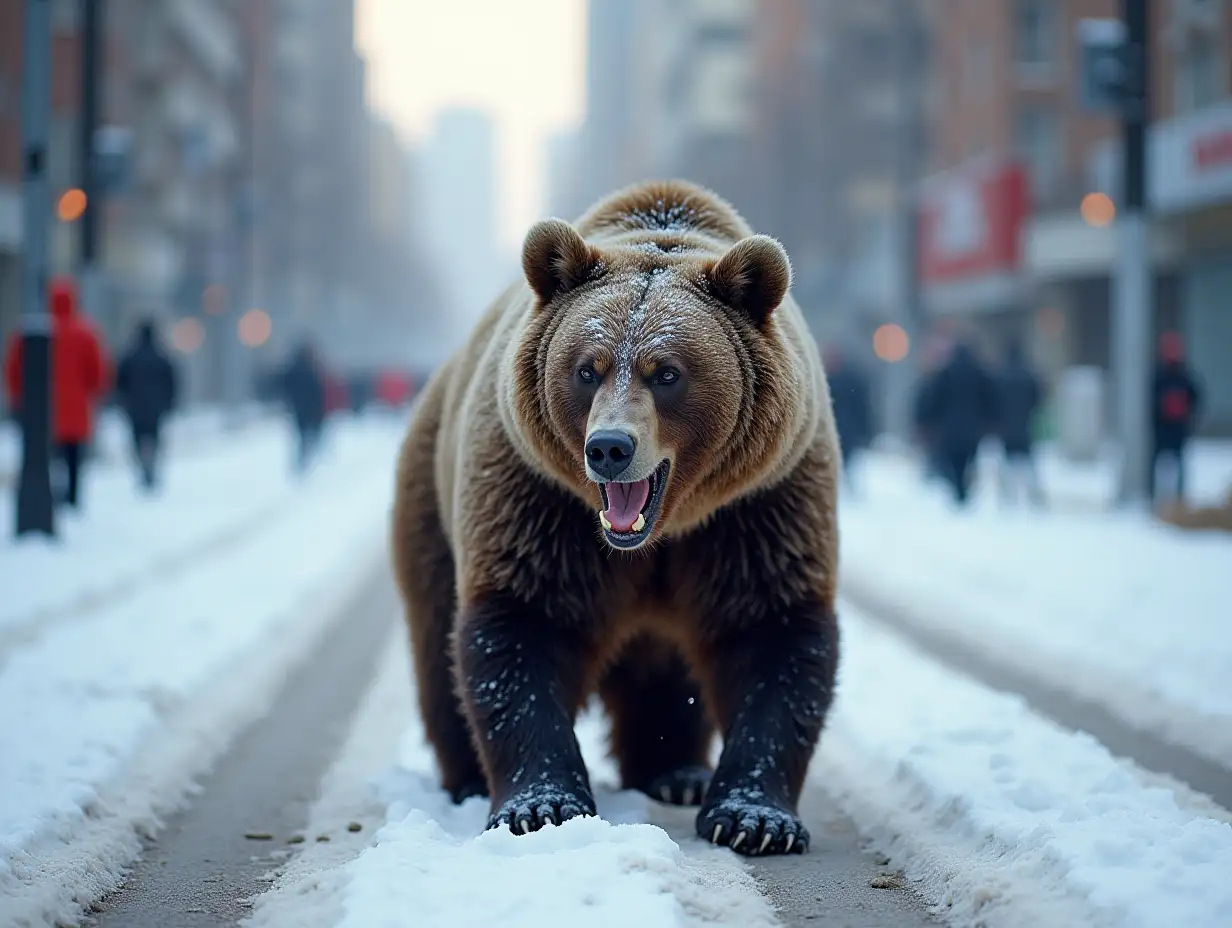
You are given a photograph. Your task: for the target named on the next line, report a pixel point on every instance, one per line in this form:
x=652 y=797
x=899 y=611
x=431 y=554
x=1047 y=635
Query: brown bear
x=624 y=484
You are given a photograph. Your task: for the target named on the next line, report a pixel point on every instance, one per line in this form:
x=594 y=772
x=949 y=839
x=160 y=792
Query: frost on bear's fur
x=624 y=484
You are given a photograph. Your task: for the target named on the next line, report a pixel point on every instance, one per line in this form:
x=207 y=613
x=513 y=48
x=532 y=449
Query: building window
x=1200 y=77
x=1037 y=138
x=977 y=72
x=1037 y=40
x=64 y=15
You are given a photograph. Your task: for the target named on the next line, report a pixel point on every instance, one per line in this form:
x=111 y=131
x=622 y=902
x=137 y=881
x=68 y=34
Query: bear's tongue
x=624 y=503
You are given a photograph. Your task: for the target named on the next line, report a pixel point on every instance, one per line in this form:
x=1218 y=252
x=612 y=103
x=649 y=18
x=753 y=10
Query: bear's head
x=652 y=377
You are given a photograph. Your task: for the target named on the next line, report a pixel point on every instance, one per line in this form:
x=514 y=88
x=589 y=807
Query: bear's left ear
x=753 y=277
x=555 y=258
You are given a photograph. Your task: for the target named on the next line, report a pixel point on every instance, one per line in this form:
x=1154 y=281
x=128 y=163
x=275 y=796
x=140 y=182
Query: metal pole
x=91 y=81
x=92 y=17
x=35 y=507
x=902 y=376
x=1132 y=312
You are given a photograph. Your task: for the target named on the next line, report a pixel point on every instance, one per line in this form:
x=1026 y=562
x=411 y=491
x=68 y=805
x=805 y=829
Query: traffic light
x=1111 y=72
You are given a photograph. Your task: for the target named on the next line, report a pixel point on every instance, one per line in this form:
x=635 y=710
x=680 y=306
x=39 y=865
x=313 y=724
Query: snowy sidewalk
x=116 y=707
x=1001 y=818
x=185 y=432
x=1113 y=607
x=207 y=497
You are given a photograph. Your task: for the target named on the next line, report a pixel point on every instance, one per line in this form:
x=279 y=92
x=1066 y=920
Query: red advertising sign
x=971 y=221
x=1212 y=152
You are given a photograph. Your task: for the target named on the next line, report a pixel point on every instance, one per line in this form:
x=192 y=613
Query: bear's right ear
x=555 y=258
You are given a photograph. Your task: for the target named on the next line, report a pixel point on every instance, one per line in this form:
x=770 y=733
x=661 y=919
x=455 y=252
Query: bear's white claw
x=764 y=844
x=548 y=820
x=525 y=826
x=739 y=840
x=665 y=792
x=718 y=833
x=791 y=839
x=688 y=796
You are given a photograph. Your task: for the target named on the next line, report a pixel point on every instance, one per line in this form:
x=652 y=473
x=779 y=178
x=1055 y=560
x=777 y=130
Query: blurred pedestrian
x=148 y=388
x=303 y=388
x=79 y=378
x=849 y=394
x=1018 y=399
x=936 y=349
x=960 y=408
x=1175 y=402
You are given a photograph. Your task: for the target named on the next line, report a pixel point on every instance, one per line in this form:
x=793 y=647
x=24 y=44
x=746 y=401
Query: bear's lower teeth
x=638 y=525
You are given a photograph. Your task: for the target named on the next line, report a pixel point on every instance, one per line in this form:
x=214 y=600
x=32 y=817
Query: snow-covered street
x=212 y=722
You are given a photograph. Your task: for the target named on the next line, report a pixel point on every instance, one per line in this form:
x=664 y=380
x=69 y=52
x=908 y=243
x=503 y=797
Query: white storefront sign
x=1189 y=162
x=1192 y=160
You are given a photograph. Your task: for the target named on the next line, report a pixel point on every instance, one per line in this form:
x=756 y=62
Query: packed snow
x=1002 y=818
x=210 y=494
x=115 y=708
x=427 y=856
x=184 y=431
x=1122 y=610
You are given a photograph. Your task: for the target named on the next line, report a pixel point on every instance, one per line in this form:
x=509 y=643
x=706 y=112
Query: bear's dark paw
x=467 y=790
x=530 y=809
x=750 y=825
x=685 y=786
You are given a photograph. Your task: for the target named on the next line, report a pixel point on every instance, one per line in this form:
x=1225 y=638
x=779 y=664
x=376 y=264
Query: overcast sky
x=521 y=60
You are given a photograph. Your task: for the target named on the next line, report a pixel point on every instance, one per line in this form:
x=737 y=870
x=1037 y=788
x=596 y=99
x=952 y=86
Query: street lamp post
x=92 y=73
x=1132 y=316
x=35 y=507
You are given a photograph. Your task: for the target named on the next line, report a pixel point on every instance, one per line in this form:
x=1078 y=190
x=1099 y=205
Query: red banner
x=971 y=222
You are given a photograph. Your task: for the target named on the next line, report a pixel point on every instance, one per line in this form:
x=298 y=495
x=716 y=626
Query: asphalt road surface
x=217 y=854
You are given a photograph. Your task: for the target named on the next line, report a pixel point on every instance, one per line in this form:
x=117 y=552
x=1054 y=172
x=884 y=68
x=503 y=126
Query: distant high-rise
x=561 y=187
x=459 y=188
x=610 y=99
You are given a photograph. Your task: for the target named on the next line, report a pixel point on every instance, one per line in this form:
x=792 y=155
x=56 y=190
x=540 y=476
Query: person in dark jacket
x=935 y=352
x=303 y=388
x=849 y=394
x=148 y=388
x=1018 y=399
x=960 y=408
x=1175 y=403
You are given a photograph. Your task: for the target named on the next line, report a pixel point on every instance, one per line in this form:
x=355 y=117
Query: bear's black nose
x=608 y=452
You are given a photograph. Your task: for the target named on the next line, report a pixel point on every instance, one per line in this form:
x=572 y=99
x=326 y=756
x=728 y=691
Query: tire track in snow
x=1067 y=709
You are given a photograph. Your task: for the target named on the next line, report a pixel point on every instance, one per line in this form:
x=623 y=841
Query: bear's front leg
x=520 y=678
x=770 y=683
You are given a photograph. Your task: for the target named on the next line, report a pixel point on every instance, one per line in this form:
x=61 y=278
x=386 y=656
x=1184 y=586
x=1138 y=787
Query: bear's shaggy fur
x=661 y=319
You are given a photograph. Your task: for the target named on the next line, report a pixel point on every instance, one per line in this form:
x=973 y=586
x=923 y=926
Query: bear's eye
x=586 y=374
x=667 y=376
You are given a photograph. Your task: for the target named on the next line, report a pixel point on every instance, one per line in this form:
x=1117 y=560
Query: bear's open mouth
x=630 y=509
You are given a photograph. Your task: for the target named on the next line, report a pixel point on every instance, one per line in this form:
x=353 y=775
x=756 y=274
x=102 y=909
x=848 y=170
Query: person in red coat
x=79 y=377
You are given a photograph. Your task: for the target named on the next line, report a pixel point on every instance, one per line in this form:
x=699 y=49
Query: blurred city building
x=928 y=163
x=459 y=210
x=245 y=171
x=1018 y=237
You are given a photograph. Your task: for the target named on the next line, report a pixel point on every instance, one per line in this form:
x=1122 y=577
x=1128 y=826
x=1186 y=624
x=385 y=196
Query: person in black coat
x=1175 y=402
x=1018 y=398
x=960 y=408
x=303 y=389
x=148 y=388
x=849 y=394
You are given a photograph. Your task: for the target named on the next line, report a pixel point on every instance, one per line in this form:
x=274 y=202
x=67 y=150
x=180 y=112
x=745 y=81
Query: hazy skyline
x=522 y=62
